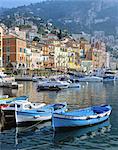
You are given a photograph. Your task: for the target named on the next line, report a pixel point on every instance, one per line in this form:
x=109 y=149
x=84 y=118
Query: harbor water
x=40 y=136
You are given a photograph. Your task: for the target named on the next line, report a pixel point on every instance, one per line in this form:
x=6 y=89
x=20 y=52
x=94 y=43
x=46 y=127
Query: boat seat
x=98 y=111
x=58 y=106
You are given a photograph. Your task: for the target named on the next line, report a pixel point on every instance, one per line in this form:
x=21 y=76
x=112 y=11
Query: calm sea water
x=102 y=136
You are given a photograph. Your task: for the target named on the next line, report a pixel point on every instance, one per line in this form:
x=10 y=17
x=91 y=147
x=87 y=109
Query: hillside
x=75 y=16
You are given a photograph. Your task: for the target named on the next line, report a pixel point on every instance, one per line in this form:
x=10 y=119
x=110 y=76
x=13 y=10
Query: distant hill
x=75 y=16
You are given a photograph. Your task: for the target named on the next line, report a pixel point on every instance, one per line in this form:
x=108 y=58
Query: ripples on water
x=102 y=136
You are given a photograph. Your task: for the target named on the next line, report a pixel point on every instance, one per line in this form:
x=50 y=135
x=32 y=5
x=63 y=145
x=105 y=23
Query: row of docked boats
x=97 y=79
x=22 y=111
x=64 y=82
x=57 y=83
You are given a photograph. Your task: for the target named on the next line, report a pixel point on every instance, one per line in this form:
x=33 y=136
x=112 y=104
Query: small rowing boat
x=41 y=114
x=83 y=117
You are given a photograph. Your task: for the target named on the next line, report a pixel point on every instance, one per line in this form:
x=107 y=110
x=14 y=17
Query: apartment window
x=20 y=49
x=7 y=49
x=8 y=58
x=3 y=59
x=20 y=58
x=7 y=41
x=24 y=50
x=3 y=49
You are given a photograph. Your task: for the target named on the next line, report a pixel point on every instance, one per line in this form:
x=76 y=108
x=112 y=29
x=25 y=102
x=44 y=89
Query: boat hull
x=43 y=114
x=109 y=78
x=74 y=85
x=70 y=120
x=24 y=117
x=63 y=122
x=42 y=88
x=91 y=79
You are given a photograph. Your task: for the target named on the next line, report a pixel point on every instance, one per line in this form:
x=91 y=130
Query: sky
x=15 y=3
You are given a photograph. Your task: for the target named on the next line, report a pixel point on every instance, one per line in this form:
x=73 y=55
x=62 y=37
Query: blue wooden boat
x=83 y=117
x=13 y=99
x=42 y=114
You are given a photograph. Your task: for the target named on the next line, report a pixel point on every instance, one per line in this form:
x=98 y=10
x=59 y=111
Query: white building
x=61 y=58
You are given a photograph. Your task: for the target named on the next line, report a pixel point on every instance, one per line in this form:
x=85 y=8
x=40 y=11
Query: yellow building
x=61 y=58
x=73 y=55
x=71 y=58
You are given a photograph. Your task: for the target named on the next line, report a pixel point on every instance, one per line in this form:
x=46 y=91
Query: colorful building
x=48 y=56
x=14 y=51
x=1 y=47
x=61 y=58
x=100 y=56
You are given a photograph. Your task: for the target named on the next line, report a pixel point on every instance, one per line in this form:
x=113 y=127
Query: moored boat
x=42 y=114
x=90 y=79
x=7 y=101
x=74 y=84
x=3 y=96
x=22 y=105
x=52 y=84
x=83 y=117
x=48 y=88
x=109 y=78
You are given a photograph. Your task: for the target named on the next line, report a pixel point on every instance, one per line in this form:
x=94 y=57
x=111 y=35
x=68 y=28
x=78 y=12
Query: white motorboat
x=7 y=81
x=109 y=78
x=74 y=84
x=90 y=79
x=53 y=84
x=38 y=79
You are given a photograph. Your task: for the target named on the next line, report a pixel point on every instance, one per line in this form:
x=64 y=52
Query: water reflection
x=82 y=133
x=88 y=94
x=42 y=134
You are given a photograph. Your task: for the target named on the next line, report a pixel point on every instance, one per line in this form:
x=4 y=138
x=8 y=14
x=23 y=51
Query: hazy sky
x=14 y=3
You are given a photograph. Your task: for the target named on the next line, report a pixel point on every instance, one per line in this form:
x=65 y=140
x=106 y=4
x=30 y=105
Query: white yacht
x=52 y=84
x=91 y=79
x=74 y=84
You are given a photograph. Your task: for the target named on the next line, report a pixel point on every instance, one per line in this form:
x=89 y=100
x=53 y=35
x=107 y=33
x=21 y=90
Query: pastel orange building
x=48 y=56
x=14 y=51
